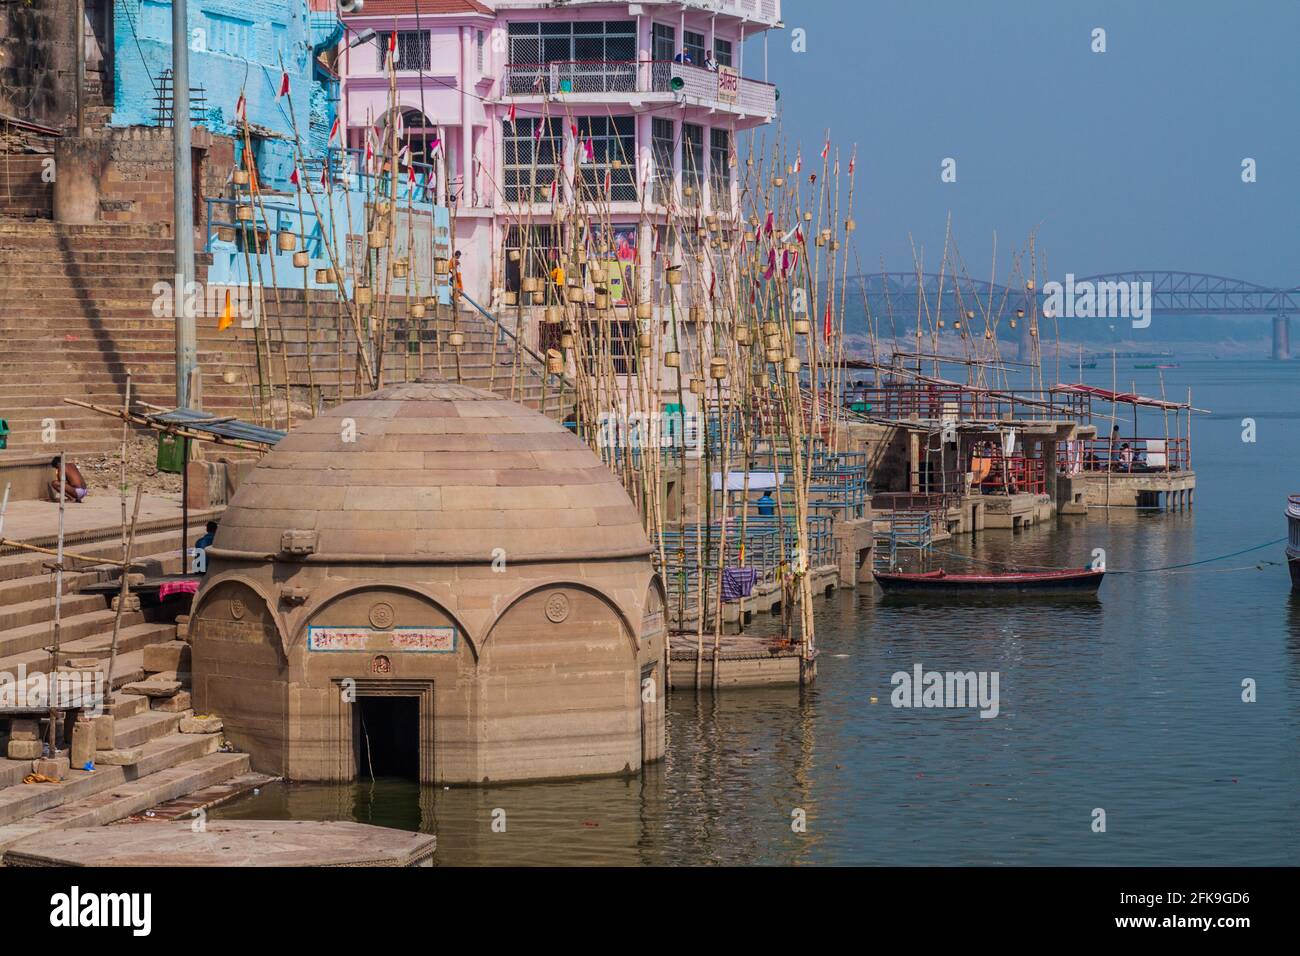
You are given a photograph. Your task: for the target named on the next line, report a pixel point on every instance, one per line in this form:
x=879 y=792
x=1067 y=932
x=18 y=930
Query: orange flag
x=227 y=315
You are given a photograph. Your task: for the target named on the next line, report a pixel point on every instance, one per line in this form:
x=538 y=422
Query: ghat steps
x=80 y=314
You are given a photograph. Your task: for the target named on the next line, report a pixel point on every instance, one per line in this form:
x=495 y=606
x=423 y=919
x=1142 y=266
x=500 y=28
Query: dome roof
x=438 y=471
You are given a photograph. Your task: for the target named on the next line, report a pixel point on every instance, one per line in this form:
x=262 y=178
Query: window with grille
x=538 y=250
x=720 y=166
x=589 y=56
x=481 y=42
x=530 y=161
x=663 y=43
x=693 y=159
x=663 y=136
x=412 y=50
x=613 y=147
x=618 y=338
x=694 y=45
x=722 y=52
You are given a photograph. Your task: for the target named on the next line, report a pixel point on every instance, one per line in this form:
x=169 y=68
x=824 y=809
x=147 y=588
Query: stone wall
x=125 y=175
x=38 y=61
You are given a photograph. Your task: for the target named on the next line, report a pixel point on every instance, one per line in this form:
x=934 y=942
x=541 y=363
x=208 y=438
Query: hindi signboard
x=728 y=85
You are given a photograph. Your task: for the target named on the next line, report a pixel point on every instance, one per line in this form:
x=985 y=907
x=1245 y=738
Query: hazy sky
x=1129 y=159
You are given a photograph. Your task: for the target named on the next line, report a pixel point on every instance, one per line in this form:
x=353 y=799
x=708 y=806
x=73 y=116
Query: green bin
x=4 y=433
x=171 y=453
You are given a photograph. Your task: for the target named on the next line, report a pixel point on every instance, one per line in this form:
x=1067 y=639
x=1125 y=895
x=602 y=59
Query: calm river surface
x=1132 y=704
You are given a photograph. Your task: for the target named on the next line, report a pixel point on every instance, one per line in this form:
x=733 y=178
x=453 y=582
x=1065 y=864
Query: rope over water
x=1167 y=568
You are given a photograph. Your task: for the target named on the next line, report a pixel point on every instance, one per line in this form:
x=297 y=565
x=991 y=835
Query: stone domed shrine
x=432 y=581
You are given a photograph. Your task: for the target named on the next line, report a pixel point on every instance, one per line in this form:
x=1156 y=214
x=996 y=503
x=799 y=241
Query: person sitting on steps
x=74 y=485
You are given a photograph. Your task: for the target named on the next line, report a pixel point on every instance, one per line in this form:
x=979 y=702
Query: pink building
x=644 y=100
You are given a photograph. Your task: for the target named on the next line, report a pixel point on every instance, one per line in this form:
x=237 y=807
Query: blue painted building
x=235 y=46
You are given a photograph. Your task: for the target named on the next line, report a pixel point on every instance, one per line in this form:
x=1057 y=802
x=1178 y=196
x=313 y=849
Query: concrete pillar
x=913 y=462
x=466 y=120
x=78 y=167
x=1281 y=336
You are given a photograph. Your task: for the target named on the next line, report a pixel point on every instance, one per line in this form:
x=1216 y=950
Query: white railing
x=715 y=88
x=766 y=11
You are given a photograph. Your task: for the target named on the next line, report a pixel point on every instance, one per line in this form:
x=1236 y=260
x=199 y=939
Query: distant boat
x=1293 y=540
x=1068 y=581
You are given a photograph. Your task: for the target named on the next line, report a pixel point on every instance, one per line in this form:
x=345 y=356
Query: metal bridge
x=1172 y=293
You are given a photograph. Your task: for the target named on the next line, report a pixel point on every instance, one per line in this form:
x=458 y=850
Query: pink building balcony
x=766 y=12
x=606 y=80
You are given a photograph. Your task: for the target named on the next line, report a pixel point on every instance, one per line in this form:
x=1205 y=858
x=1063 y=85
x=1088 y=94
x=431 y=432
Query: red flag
x=284 y=85
x=826 y=327
x=324 y=176
x=798 y=161
x=573 y=128
x=241 y=108
x=334 y=130
x=826 y=149
x=537 y=133
x=768 y=225
x=410 y=175
x=853 y=160
x=293 y=176
x=771 y=265
x=511 y=117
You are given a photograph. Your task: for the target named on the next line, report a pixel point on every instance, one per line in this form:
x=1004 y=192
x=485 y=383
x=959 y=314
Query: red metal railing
x=1014 y=474
x=1138 y=455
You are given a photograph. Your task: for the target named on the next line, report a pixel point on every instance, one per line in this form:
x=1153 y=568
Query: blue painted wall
x=234 y=45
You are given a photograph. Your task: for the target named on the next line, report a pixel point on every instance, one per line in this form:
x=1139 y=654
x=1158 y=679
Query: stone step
x=140 y=729
x=24 y=800
x=153 y=546
x=185 y=807
x=30 y=637
x=41 y=609
x=130 y=797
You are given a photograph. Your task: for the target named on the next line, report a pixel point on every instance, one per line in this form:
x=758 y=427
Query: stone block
x=105 y=727
x=172 y=705
x=124 y=757
x=25 y=749
x=132 y=602
x=83 y=743
x=171 y=656
x=24 y=730
x=200 y=725
x=153 y=688
x=54 y=767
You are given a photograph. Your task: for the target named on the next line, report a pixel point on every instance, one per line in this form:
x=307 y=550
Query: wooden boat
x=1293 y=539
x=1068 y=581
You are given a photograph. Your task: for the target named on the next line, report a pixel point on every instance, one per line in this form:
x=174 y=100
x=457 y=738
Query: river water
x=1131 y=705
